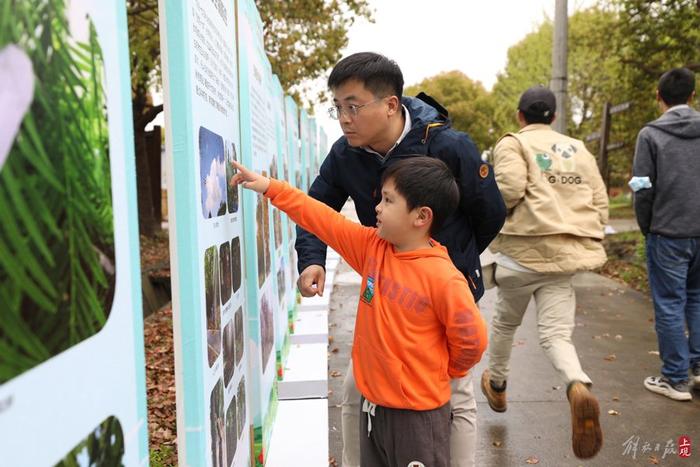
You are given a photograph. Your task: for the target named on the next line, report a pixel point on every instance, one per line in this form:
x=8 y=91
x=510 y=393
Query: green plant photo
x=57 y=268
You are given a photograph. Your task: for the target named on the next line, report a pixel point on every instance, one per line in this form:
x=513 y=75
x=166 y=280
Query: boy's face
x=394 y=220
x=371 y=121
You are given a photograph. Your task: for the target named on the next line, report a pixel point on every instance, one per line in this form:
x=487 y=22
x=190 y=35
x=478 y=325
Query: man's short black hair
x=381 y=76
x=537 y=116
x=676 y=86
x=425 y=181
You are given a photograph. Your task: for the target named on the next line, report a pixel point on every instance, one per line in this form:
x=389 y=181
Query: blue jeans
x=674 y=278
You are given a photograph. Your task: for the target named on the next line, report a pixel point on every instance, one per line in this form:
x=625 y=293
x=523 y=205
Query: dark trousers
x=404 y=438
x=674 y=277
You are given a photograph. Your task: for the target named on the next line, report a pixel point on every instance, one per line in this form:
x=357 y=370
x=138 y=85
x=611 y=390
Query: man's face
x=393 y=217
x=371 y=121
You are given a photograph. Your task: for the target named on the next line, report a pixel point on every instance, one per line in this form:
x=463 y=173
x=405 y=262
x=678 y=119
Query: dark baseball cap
x=539 y=101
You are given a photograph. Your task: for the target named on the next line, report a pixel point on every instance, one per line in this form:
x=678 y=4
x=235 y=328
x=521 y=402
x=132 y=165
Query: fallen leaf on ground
x=653 y=460
x=336 y=373
x=616 y=399
x=330 y=339
x=532 y=460
x=332 y=462
x=618 y=337
x=497 y=444
x=610 y=358
x=613 y=412
x=653 y=352
x=556 y=388
x=335 y=350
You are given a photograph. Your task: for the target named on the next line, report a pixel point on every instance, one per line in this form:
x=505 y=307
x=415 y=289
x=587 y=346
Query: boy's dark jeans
x=401 y=438
x=674 y=278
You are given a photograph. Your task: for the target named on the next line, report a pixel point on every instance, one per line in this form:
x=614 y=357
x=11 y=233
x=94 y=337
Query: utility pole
x=559 y=61
x=603 y=146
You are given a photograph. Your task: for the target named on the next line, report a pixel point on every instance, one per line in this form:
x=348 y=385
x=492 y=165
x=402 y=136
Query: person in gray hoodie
x=666 y=186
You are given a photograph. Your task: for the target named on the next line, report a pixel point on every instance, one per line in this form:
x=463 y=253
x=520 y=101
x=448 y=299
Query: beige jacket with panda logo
x=556 y=199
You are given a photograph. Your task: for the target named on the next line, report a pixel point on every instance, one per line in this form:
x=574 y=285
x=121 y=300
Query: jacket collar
x=677 y=107
x=535 y=126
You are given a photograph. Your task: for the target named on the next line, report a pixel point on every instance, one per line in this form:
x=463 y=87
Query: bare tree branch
x=147 y=117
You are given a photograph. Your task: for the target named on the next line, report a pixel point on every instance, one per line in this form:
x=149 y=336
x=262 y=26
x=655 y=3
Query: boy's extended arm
x=465 y=328
x=348 y=238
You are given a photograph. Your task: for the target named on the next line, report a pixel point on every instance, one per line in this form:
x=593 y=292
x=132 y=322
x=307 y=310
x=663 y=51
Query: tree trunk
x=153 y=148
x=147 y=220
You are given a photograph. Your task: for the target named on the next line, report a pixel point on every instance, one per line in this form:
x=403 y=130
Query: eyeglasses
x=351 y=110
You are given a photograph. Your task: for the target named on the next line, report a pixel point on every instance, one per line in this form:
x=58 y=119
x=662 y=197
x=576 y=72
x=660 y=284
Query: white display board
x=198 y=39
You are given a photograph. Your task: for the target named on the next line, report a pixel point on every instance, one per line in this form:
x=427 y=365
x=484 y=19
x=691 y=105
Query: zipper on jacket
x=428 y=128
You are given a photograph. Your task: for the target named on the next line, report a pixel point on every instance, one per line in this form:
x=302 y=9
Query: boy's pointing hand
x=249 y=179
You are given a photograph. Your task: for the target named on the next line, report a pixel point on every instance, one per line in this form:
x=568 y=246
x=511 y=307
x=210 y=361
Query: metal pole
x=603 y=150
x=559 y=61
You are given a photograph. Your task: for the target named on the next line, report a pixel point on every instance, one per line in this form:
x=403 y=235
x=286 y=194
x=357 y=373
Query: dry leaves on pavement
x=160 y=382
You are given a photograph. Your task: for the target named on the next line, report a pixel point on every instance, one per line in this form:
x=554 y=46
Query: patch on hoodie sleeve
x=484 y=171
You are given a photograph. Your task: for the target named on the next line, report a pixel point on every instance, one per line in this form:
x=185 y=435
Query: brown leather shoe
x=586 y=437
x=496 y=399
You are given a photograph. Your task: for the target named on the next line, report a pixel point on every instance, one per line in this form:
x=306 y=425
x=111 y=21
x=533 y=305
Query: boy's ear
x=424 y=216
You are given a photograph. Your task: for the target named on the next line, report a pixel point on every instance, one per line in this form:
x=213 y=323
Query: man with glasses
x=381 y=127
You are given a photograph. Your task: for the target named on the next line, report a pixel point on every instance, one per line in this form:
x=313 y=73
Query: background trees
x=468 y=102
x=618 y=49
x=304 y=38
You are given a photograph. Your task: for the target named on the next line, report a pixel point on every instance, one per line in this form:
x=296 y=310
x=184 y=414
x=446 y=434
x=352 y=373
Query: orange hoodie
x=417 y=324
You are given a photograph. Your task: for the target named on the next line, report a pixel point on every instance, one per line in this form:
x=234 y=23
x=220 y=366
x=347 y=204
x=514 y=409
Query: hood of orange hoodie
x=437 y=251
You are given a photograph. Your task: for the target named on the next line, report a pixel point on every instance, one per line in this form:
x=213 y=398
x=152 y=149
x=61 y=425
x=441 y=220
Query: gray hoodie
x=668 y=152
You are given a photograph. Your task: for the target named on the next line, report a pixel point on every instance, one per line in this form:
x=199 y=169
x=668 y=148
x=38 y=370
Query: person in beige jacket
x=557 y=211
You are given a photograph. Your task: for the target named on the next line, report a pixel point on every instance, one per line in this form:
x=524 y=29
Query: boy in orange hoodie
x=417 y=324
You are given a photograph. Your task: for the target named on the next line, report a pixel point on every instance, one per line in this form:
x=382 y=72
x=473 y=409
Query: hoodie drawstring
x=370 y=408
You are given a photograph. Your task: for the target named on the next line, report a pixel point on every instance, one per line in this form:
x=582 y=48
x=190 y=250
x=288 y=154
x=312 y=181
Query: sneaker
x=586 y=435
x=661 y=385
x=696 y=375
x=495 y=396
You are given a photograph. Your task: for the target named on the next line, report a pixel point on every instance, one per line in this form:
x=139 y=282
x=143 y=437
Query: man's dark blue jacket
x=354 y=172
